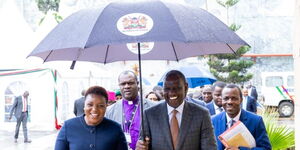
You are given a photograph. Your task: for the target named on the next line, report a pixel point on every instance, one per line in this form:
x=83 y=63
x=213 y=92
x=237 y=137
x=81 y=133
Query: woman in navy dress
x=92 y=130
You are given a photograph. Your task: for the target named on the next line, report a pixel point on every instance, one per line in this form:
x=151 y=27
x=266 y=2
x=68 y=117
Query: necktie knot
x=174 y=112
x=232 y=122
x=220 y=109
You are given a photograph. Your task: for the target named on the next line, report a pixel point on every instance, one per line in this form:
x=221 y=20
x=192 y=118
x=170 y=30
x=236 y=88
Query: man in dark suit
x=249 y=103
x=20 y=110
x=176 y=124
x=231 y=101
x=215 y=106
x=252 y=91
x=207 y=94
x=79 y=105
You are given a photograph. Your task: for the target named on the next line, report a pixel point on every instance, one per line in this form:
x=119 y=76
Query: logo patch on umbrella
x=135 y=24
x=145 y=47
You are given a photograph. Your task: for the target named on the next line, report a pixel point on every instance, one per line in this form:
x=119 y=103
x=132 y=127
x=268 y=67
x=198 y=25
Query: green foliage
x=231 y=68
x=281 y=136
x=49 y=5
x=234 y=27
x=46 y=5
x=228 y=3
x=57 y=17
x=237 y=55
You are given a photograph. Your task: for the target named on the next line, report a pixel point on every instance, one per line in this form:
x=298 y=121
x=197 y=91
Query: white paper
x=238 y=135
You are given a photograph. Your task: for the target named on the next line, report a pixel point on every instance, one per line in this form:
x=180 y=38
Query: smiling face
x=94 y=109
x=231 y=101
x=128 y=86
x=217 y=96
x=207 y=94
x=175 y=90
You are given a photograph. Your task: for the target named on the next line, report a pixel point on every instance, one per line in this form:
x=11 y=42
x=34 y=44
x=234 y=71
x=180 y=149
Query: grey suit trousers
x=23 y=120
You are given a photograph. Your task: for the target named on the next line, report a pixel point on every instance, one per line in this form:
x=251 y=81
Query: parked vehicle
x=278 y=91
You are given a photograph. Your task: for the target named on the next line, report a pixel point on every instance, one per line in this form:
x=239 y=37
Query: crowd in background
x=173 y=117
x=196 y=120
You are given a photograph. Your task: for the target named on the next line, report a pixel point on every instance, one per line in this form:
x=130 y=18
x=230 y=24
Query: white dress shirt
x=217 y=108
x=24 y=103
x=178 y=114
x=236 y=118
x=245 y=101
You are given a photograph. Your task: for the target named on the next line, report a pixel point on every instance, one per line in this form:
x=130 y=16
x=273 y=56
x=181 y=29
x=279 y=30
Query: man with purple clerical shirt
x=127 y=110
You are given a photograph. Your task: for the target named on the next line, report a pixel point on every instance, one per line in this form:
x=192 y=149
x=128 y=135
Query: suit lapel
x=243 y=117
x=213 y=108
x=223 y=122
x=222 y=127
x=185 y=122
x=164 y=123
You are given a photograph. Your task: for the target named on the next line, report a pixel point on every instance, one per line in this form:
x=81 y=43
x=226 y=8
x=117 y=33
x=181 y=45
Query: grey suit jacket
x=17 y=107
x=196 y=130
x=78 y=106
x=115 y=111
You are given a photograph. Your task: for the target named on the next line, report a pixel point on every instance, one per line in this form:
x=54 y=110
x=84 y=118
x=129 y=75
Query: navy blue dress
x=77 y=135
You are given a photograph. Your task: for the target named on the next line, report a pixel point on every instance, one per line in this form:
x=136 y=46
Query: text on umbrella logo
x=145 y=47
x=135 y=24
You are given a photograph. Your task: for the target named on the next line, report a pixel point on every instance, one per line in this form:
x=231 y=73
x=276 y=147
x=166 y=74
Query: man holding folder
x=231 y=101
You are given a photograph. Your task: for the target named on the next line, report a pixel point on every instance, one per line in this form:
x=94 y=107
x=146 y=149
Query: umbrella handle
x=73 y=64
x=141 y=93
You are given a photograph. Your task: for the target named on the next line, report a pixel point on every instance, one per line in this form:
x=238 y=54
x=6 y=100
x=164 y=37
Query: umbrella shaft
x=141 y=91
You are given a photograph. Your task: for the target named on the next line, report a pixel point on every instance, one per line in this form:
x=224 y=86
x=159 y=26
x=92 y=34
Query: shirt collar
x=215 y=106
x=179 y=108
x=127 y=102
x=236 y=118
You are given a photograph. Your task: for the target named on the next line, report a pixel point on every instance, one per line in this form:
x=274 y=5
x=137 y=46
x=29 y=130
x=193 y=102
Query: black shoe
x=27 y=141
x=16 y=140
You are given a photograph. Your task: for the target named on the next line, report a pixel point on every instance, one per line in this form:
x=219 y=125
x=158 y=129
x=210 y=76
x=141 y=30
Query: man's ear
x=186 y=85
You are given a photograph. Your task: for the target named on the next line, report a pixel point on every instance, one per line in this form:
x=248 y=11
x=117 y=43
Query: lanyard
x=127 y=124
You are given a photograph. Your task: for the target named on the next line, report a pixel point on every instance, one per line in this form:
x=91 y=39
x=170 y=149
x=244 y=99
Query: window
x=290 y=81
x=272 y=81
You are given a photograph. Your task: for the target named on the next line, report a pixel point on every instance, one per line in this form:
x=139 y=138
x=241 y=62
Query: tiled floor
x=41 y=140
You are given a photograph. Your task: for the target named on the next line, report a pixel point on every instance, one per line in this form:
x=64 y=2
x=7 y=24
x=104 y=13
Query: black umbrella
x=148 y=30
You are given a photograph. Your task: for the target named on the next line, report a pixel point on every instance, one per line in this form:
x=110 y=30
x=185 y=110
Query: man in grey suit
x=79 y=105
x=127 y=110
x=20 y=110
x=177 y=124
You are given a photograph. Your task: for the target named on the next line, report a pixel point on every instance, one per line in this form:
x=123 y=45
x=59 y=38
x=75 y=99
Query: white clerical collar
x=179 y=108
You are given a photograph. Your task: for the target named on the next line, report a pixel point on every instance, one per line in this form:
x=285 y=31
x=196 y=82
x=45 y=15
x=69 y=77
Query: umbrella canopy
x=170 y=31
x=195 y=76
x=148 y=30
